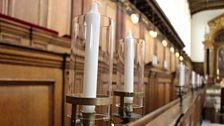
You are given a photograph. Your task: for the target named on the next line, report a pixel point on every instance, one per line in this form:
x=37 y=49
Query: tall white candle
x=165 y=65
x=129 y=66
x=182 y=74
x=154 y=60
x=201 y=80
x=91 y=55
x=206 y=79
x=198 y=80
x=193 y=79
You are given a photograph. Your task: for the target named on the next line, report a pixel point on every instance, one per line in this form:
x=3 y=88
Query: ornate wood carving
x=220 y=36
x=213 y=45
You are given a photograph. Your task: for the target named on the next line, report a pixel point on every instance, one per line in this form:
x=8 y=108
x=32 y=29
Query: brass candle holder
x=88 y=119
x=130 y=78
x=180 y=93
x=125 y=111
x=91 y=69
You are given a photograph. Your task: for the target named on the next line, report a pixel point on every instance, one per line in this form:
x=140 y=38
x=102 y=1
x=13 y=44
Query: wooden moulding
x=154 y=114
x=23 y=33
x=170 y=113
x=16 y=54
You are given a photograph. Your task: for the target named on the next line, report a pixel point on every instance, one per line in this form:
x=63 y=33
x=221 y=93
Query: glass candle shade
x=126 y=82
x=91 y=65
x=181 y=75
x=193 y=80
x=187 y=76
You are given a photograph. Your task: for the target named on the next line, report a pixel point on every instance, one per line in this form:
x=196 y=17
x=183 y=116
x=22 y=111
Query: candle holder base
x=126 y=109
x=127 y=118
x=180 y=92
x=88 y=119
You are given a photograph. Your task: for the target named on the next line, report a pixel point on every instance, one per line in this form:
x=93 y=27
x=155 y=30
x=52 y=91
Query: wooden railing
x=174 y=115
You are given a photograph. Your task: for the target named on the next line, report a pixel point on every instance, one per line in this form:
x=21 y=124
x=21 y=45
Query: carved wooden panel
x=158 y=90
x=87 y=4
x=59 y=16
x=27 y=103
x=161 y=94
x=151 y=93
x=53 y=14
x=108 y=9
x=32 y=65
x=168 y=57
x=149 y=44
x=172 y=63
x=177 y=63
x=168 y=91
x=120 y=25
x=102 y=9
x=34 y=11
x=160 y=54
x=111 y=11
x=27 y=10
x=77 y=7
x=136 y=30
x=1 y=6
x=128 y=24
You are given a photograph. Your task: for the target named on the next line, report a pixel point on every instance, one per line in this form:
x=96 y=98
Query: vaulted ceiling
x=200 y=5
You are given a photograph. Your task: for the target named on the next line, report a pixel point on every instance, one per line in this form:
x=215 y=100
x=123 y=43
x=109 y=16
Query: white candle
x=217 y=71
x=193 y=79
x=154 y=60
x=182 y=74
x=129 y=66
x=206 y=79
x=198 y=80
x=91 y=55
x=201 y=79
x=165 y=65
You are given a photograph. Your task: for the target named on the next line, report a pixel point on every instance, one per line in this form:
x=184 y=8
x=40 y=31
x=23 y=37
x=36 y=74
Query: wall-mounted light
x=172 y=49
x=181 y=58
x=153 y=33
x=164 y=42
x=134 y=18
x=177 y=54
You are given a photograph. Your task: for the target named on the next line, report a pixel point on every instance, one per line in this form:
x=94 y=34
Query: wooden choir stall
x=36 y=71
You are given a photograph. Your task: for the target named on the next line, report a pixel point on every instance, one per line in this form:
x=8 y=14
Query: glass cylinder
x=131 y=83
x=193 y=80
x=187 y=76
x=91 y=65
